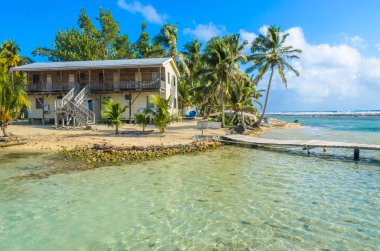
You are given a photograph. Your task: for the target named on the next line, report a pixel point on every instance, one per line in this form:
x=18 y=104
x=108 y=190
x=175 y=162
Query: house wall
x=139 y=98
x=35 y=113
x=171 y=87
x=139 y=101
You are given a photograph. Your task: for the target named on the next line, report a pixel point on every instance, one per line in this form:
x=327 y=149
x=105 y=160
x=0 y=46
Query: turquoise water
x=228 y=199
x=345 y=123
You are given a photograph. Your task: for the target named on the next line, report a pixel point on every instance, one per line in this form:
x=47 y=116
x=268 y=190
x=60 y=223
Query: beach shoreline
x=46 y=139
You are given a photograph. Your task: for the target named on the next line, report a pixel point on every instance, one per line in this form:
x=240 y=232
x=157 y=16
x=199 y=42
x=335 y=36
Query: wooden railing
x=97 y=86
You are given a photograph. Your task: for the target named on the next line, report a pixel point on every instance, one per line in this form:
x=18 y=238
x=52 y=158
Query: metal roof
x=96 y=64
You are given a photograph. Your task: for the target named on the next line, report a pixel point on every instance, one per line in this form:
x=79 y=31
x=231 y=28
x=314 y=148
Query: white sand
x=46 y=138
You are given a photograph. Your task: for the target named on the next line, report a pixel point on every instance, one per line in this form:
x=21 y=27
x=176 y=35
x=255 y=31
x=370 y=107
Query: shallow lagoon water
x=228 y=199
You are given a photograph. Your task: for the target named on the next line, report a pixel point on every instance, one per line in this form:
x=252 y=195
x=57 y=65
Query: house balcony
x=97 y=87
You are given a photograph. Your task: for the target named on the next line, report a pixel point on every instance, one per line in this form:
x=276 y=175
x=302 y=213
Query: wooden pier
x=305 y=144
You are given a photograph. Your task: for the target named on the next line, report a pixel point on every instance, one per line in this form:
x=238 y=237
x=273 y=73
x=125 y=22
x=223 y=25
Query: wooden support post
x=104 y=78
x=56 y=119
x=130 y=106
x=79 y=82
x=160 y=77
x=356 y=153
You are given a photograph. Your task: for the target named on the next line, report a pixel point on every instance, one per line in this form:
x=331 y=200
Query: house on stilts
x=71 y=93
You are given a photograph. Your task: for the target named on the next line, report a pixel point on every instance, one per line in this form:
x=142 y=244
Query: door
x=116 y=81
x=138 y=80
x=49 y=82
x=90 y=105
x=71 y=80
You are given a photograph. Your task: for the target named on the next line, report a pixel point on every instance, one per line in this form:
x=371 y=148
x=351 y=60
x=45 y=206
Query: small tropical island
x=176 y=138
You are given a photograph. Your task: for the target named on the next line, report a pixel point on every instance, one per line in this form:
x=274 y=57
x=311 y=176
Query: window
x=39 y=103
x=36 y=79
x=127 y=97
x=175 y=103
x=168 y=78
x=149 y=104
x=174 y=80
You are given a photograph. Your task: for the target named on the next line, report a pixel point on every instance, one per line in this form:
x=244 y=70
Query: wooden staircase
x=72 y=108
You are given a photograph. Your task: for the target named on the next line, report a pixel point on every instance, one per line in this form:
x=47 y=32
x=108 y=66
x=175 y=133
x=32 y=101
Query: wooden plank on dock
x=297 y=143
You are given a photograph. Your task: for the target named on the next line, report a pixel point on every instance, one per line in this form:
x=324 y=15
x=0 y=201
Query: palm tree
x=162 y=116
x=270 y=53
x=112 y=113
x=192 y=57
x=143 y=118
x=222 y=59
x=243 y=96
x=13 y=98
x=167 y=38
x=9 y=54
x=186 y=94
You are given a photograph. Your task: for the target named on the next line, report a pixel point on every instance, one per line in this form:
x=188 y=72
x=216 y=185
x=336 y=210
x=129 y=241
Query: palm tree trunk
x=116 y=129
x=243 y=120
x=258 y=123
x=5 y=131
x=223 y=108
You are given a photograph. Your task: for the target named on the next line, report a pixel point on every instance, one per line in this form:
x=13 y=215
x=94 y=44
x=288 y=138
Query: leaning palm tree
x=269 y=53
x=222 y=59
x=112 y=113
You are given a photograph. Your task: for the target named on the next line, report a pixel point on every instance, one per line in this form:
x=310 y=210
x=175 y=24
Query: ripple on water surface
x=229 y=199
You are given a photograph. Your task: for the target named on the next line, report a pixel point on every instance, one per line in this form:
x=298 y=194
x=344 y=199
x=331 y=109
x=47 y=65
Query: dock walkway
x=305 y=144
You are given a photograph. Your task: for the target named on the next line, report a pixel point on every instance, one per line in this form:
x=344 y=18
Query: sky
x=340 y=39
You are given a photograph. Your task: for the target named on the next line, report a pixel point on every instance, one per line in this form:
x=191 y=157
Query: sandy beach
x=43 y=138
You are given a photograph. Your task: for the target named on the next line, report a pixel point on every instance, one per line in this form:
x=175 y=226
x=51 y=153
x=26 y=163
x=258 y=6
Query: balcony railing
x=97 y=86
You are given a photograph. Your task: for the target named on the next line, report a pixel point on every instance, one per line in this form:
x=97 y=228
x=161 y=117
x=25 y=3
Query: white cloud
x=330 y=73
x=377 y=46
x=263 y=29
x=249 y=36
x=204 y=32
x=354 y=41
x=148 y=11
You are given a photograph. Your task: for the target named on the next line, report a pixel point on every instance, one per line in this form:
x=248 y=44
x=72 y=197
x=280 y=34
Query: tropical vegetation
x=13 y=98
x=161 y=117
x=212 y=77
x=143 y=118
x=112 y=113
x=270 y=53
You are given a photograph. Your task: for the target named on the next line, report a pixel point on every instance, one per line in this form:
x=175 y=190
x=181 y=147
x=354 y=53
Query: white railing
x=81 y=112
x=82 y=94
x=75 y=108
x=60 y=103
